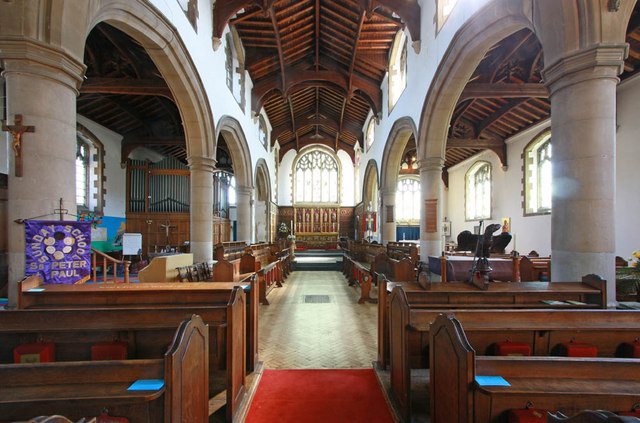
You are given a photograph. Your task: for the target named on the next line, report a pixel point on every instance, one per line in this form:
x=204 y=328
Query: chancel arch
x=401 y=132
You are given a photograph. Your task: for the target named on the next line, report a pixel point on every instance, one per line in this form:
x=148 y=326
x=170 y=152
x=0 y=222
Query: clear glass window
x=478 y=191
x=537 y=168
x=316 y=178
x=408 y=200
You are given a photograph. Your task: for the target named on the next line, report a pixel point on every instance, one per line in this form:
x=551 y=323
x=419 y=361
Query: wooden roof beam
x=498 y=146
x=333 y=79
x=317 y=18
x=408 y=10
x=127 y=86
x=225 y=10
x=348 y=127
x=484 y=90
x=276 y=30
x=131 y=143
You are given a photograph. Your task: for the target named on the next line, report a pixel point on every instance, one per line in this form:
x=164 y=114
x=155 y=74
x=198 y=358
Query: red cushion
x=578 y=349
x=527 y=415
x=105 y=418
x=630 y=413
x=113 y=350
x=39 y=352
x=512 y=348
x=630 y=349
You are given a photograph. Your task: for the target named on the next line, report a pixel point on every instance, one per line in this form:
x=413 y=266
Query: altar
x=316 y=226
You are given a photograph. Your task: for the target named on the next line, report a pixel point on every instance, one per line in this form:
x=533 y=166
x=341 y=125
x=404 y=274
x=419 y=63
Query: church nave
x=298 y=334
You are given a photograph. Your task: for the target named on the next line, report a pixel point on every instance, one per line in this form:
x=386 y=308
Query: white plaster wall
x=210 y=65
x=628 y=168
x=531 y=232
x=285 y=186
x=116 y=177
x=347 y=198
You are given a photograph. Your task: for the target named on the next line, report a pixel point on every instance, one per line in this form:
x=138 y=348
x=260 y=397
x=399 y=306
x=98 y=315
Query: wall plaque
x=431 y=215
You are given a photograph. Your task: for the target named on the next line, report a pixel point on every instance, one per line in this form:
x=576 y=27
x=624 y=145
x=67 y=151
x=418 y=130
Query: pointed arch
x=371 y=185
x=262 y=202
x=400 y=133
x=233 y=134
x=160 y=39
x=492 y=23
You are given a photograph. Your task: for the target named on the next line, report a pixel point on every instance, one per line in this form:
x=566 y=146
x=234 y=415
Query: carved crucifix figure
x=17 y=129
x=166 y=229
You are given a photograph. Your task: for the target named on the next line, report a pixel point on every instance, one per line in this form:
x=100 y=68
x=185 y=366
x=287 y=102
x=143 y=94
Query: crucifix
x=17 y=129
x=166 y=229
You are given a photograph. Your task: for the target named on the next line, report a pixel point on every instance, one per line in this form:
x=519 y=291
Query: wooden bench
x=454 y=295
x=224 y=270
x=198 y=272
x=400 y=250
x=542 y=330
x=564 y=384
x=31 y=294
x=147 y=331
x=231 y=252
x=259 y=258
x=534 y=268
x=81 y=388
x=359 y=268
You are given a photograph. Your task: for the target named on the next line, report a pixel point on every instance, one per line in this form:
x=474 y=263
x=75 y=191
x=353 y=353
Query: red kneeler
x=113 y=350
x=527 y=415
x=512 y=348
x=577 y=349
x=39 y=352
x=630 y=349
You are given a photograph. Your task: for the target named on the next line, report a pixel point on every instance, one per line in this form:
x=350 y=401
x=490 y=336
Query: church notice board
x=431 y=215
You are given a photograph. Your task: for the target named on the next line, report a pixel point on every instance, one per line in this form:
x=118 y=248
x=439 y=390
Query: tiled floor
x=295 y=334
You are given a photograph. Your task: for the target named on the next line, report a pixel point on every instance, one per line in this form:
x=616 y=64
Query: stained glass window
x=316 y=178
x=408 y=200
x=537 y=168
x=478 y=191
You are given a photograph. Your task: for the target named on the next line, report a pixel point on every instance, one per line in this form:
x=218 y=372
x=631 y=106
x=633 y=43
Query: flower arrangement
x=283 y=228
x=635 y=261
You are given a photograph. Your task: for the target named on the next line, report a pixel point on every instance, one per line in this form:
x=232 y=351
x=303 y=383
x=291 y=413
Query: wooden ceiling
x=505 y=95
x=125 y=92
x=317 y=65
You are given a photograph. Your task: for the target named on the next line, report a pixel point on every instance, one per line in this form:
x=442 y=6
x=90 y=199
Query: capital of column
x=244 y=190
x=430 y=164
x=201 y=163
x=597 y=62
x=25 y=55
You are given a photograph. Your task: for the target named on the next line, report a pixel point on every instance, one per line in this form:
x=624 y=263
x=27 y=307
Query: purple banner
x=60 y=252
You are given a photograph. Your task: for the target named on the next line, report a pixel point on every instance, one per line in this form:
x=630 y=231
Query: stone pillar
x=388 y=216
x=431 y=189
x=582 y=88
x=201 y=199
x=42 y=84
x=244 y=202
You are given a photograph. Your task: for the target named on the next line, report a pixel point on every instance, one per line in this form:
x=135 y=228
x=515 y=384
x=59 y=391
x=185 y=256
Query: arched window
x=537 y=170
x=262 y=132
x=397 y=69
x=478 y=191
x=445 y=7
x=90 y=189
x=408 y=200
x=316 y=178
x=82 y=174
x=370 y=134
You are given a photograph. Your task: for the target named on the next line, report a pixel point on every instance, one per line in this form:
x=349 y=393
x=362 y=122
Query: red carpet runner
x=327 y=396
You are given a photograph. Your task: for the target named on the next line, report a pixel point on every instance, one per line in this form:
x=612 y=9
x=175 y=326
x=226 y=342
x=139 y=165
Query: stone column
x=388 y=216
x=582 y=88
x=201 y=200
x=244 y=204
x=431 y=189
x=42 y=84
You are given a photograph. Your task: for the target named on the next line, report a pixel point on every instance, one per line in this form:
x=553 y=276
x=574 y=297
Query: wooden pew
x=400 y=250
x=260 y=259
x=224 y=270
x=230 y=251
x=452 y=295
x=534 y=268
x=542 y=330
x=563 y=384
x=33 y=295
x=147 y=332
x=360 y=267
x=81 y=388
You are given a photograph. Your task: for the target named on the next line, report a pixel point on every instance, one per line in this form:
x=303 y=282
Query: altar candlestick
x=514 y=242
x=291 y=227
